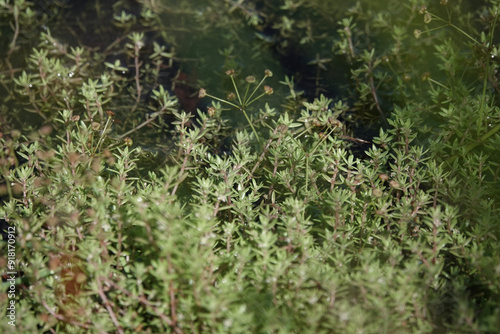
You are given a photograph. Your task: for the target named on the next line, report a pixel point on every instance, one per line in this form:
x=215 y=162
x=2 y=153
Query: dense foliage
x=265 y=210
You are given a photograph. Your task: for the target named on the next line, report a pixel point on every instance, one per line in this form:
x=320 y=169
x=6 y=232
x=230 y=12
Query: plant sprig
x=242 y=104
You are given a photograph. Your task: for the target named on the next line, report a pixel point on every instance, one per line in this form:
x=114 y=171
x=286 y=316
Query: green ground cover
x=249 y=167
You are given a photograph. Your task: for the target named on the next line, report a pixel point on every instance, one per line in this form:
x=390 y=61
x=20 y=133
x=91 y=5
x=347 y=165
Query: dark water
x=210 y=37
x=203 y=33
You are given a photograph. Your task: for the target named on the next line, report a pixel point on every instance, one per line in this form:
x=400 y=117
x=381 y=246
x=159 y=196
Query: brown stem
x=63 y=318
x=183 y=168
x=137 y=74
x=146 y=122
x=264 y=151
x=145 y=302
x=107 y=303
x=375 y=98
x=173 y=303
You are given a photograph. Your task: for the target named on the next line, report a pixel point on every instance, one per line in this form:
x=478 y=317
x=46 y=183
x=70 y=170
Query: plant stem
x=246 y=93
x=453 y=26
x=146 y=122
x=236 y=90
x=438 y=83
x=258 y=97
x=375 y=98
x=16 y=30
x=486 y=76
x=256 y=88
x=251 y=125
x=224 y=101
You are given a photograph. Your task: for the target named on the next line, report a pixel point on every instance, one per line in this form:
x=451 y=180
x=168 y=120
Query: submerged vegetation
x=250 y=167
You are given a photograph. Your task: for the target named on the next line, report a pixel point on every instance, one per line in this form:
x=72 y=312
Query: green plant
x=243 y=102
x=134 y=215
